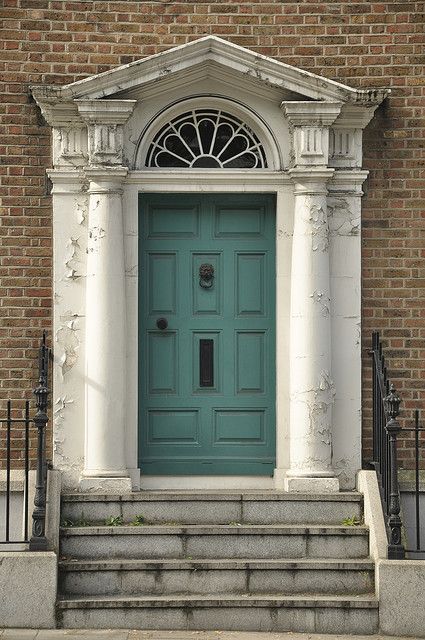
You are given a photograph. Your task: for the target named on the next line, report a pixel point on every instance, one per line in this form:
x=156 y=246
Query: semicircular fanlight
x=206 y=139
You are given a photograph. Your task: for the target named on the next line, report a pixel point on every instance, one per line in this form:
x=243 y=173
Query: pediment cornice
x=207 y=52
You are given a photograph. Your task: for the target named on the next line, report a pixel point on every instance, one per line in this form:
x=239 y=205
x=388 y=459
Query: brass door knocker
x=206 y=276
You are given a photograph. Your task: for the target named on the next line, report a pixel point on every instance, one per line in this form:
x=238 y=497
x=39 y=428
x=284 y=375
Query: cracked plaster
x=342 y=220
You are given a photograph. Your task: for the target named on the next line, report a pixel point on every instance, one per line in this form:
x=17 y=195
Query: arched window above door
x=206 y=139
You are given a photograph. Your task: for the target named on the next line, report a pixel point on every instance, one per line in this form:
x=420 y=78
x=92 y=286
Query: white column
x=105 y=466
x=105 y=328
x=311 y=385
x=312 y=389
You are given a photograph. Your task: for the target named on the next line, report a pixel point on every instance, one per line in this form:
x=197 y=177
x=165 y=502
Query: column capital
x=105 y=120
x=105 y=111
x=311 y=113
x=310 y=122
x=345 y=135
x=66 y=180
x=311 y=180
x=105 y=179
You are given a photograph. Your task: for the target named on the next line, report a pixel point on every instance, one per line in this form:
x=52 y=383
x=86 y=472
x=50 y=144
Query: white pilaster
x=104 y=461
x=70 y=203
x=312 y=388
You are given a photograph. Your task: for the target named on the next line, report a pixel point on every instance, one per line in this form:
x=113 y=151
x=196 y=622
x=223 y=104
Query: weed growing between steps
x=112 y=521
x=353 y=521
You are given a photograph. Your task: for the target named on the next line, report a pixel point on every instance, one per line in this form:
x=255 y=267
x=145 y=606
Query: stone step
x=303 y=614
x=215 y=541
x=212 y=507
x=144 y=577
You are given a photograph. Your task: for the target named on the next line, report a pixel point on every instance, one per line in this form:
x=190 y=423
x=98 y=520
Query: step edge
x=128 y=564
x=363 y=601
x=216 y=529
x=152 y=496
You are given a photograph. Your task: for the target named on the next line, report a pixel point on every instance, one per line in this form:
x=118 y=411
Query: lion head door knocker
x=206 y=276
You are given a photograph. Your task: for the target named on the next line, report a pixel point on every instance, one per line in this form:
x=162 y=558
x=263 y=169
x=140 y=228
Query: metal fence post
x=38 y=541
x=395 y=547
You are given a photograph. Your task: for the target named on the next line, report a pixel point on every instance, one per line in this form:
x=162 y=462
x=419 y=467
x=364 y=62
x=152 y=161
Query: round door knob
x=162 y=323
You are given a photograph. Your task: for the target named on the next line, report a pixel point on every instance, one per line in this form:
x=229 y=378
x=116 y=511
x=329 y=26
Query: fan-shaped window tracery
x=206 y=139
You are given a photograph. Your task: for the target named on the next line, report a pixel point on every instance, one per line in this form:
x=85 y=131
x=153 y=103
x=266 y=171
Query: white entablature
x=307 y=134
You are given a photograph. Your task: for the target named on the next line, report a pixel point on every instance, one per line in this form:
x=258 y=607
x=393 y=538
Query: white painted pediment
x=209 y=56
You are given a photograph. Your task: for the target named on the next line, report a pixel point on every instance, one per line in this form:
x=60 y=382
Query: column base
x=105 y=484
x=311 y=485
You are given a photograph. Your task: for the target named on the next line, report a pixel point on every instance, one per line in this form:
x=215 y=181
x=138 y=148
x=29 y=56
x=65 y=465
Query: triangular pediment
x=209 y=55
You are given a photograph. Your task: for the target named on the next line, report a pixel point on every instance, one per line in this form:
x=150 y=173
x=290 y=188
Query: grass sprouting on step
x=114 y=521
x=352 y=521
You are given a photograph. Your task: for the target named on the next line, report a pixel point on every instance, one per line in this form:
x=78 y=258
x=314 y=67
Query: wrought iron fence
x=386 y=432
x=37 y=540
x=419 y=544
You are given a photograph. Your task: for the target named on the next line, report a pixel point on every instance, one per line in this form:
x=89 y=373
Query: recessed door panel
x=162 y=358
x=239 y=427
x=250 y=284
x=239 y=222
x=173 y=222
x=162 y=282
x=250 y=364
x=175 y=426
x=207 y=334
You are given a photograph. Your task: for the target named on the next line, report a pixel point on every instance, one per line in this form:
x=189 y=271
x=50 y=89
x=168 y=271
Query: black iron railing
x=18 y=445
x=10 y=423
x=419 y=544
x=386 y=408
x=386 y=432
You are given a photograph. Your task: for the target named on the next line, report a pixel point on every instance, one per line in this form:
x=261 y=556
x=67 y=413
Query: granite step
x=215 y=541
x=303 y=613
x=212 y=507
x=182 y=576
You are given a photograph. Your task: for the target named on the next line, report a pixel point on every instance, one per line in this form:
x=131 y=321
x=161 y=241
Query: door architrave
x=190 y=181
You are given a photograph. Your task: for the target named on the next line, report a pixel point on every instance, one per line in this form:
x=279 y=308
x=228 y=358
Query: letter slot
x=206 y=363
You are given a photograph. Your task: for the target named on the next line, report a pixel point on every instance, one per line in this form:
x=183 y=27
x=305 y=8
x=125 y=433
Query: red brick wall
x=360 y=42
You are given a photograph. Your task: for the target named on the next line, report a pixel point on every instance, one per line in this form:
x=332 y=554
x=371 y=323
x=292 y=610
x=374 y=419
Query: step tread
x=216 y=529
x=368 y=601
x=124 y=564
x=211 y=495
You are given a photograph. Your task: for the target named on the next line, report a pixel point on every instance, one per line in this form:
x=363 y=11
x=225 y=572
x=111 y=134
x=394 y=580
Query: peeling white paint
x=81 y=209
x=320 y=298
x=320 y=229
x=96 y=234
x=132 y=271
x=67 y=338
x=71 y=262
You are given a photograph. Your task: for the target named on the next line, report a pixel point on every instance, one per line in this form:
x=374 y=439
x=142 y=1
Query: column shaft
x=311 y=386
x=105 y=329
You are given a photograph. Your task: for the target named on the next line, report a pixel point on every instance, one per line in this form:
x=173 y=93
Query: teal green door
x=207 y=334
